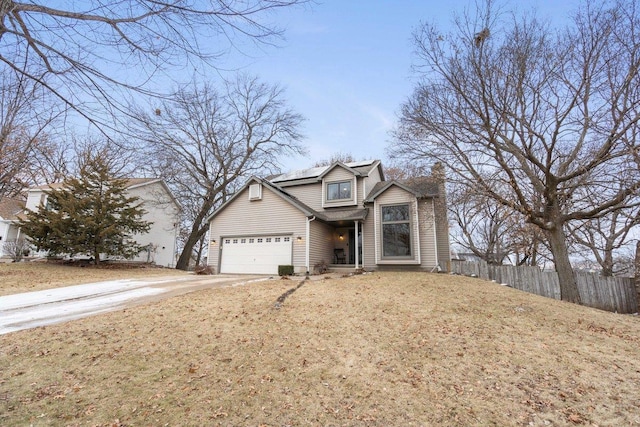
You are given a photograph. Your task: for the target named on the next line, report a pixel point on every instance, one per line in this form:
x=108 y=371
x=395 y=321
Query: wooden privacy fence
x=616 y=294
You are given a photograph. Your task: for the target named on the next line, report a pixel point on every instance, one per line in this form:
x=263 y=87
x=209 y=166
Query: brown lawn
x=390 y=349
x=36 y=276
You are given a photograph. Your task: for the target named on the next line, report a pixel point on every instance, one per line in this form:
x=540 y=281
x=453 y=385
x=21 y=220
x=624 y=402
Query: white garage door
x=255 y=255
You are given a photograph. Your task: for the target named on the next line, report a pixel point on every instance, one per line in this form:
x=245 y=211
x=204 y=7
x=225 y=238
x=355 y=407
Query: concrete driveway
x=33 y=309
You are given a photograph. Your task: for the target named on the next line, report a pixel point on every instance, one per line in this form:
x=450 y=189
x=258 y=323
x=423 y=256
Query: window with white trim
x=396 y=231
x=287 y=239
x=339 y=190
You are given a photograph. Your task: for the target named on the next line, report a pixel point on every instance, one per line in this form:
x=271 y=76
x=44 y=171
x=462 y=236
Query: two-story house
x=161 y=209
x=343 y=214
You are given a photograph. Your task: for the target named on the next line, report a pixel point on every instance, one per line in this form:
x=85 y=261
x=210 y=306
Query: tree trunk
x=185 y=256
x=566 y=275
x=607 y=263
x=96 y=256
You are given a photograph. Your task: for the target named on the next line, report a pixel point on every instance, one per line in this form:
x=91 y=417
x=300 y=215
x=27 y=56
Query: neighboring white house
x=161 y=207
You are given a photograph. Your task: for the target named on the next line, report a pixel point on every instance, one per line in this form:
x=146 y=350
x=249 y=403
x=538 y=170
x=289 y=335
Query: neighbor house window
x=396 y=231
x=339 y=190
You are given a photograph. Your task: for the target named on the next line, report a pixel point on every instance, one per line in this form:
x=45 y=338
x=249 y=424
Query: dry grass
x=375 y=350
x=35 y=276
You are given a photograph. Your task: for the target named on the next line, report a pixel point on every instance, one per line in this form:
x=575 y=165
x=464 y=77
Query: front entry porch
x=345 y=244
x=337 y=245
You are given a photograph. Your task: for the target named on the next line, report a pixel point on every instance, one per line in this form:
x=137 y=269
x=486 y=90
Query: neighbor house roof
x=131 y=182
x=10 y=208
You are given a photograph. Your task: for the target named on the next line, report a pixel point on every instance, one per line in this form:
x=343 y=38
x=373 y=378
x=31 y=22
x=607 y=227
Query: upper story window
x=339 y=190
x=396 y=231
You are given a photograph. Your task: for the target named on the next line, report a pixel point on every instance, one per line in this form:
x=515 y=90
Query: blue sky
x=346 y=66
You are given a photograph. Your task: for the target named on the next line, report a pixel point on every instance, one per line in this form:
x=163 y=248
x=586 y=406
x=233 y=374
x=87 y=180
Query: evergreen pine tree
x=89 y=215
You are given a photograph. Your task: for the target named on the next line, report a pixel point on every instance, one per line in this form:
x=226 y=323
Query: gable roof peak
x=336 y=164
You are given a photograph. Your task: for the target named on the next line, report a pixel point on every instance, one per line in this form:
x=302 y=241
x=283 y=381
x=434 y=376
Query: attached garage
x=255 y=254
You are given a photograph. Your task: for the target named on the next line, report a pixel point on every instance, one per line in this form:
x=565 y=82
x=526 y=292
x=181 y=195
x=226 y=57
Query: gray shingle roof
x=420 y=187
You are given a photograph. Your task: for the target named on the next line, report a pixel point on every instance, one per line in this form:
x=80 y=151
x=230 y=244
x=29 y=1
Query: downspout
x=313 y=218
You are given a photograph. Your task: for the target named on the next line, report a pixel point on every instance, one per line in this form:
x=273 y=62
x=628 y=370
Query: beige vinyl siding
x=368 y=241
x=427 y=234
x=368 y=227
x=396 y=196
x=269 y=216
x=321 y=243
x=340 y=174
x=370 y=181
x=309 y=194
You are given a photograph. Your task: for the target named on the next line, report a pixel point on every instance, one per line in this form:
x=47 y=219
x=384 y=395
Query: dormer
x=339 y=186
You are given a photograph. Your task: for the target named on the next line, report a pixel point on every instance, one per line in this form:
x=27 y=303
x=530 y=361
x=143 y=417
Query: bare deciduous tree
x=604 y=237
x=541 y=121
x=480 y=225
x=340 y=156
x=26 y=116
x=84 y=52
x=491 y=231
x=205 y=141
